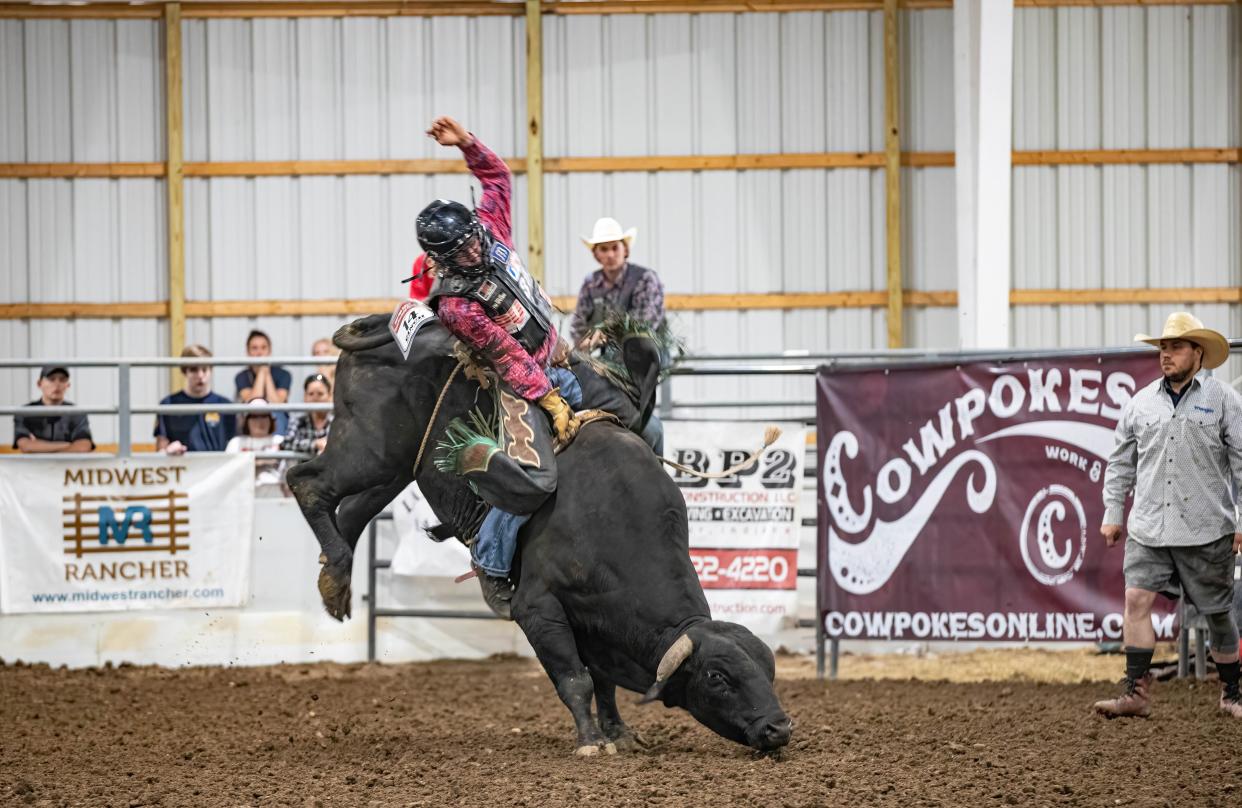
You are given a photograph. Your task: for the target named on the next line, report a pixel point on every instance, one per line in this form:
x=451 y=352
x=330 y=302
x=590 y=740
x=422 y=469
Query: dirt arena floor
x=492 y=733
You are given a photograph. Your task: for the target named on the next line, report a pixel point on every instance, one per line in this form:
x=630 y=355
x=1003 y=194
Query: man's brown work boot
x=1231 y=700
x=497 y=593
x=1135 y=701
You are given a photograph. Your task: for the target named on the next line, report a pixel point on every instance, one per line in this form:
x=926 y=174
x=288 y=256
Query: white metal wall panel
x=312 y=237
x=926 y=92
x=1125 y=78
x=352 y=88
x=1113 y=78
x=634 y=85
x=80 y=91
x=99 y=240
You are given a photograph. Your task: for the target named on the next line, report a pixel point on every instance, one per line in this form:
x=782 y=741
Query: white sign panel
x=113 y=534
x=744 y=528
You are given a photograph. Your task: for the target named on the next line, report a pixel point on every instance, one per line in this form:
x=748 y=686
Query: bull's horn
x=677 y=653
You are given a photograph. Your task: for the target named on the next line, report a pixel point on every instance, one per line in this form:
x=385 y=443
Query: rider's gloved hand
x=564 y=422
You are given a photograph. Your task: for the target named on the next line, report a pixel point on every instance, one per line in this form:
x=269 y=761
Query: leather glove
x=564 y=422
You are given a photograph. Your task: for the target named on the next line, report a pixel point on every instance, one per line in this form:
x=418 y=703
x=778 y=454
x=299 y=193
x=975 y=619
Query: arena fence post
x=124 y=442
x=372 y=533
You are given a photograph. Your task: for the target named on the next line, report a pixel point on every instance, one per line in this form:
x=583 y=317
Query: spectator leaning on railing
x=268 y=382
x=308 y=431
x=257 y=436
x=198 y=432
x=52 y=433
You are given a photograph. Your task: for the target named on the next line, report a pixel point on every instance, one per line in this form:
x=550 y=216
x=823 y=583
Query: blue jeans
x=571 y=391
x=497 y=542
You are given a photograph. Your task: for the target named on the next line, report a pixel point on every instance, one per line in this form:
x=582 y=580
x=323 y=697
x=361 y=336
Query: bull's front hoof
x=610 y=749
x=335 y=589
x=590 y=750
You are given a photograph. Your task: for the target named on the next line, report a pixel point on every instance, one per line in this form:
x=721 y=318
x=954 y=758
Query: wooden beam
x=401 y=8
x=76 y=170
x=482 y=8
x=91 y=11
x=100 y=448
x=174 y=183
x=675 y=302
x=534 y=138
x=570 y=165
x=892 y=175
x=1052 y=297
x=88 y=311
x=1124 y=157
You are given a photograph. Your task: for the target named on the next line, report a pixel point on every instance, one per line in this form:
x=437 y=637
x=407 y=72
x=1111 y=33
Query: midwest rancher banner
x=963 y=502
x=112 y=534
x=744 y=528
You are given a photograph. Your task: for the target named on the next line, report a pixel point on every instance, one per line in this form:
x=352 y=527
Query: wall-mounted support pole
x=173 y=180
x=534 y=135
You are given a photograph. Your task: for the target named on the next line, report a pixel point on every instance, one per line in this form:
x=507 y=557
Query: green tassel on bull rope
x=621 y=326
x=466 y=448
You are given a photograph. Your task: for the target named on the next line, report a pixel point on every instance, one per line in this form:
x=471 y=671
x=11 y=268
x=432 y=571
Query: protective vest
x=601 y=305
x=506 y=291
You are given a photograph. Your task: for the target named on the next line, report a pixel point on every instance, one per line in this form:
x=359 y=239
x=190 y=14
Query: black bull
x=605 y=590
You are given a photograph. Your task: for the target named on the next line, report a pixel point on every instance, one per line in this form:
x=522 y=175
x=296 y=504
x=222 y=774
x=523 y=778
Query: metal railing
x=125 y=408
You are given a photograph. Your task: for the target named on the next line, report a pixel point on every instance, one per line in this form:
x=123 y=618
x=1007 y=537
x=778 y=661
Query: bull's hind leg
x=610 y=721
x=543 y=621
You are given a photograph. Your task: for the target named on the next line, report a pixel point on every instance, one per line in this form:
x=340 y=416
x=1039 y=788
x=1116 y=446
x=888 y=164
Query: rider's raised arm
x=493 y=175
x=468 y=321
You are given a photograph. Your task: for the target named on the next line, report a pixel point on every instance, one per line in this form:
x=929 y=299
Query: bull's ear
x=676 y=654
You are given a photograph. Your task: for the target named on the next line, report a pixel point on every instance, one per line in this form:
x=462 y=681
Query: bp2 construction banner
x=963 y=502
x=743 y=528
x=112 y=534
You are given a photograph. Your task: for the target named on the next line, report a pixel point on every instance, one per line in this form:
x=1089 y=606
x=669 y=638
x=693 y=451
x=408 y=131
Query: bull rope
x=769 y=437
x=432 y=421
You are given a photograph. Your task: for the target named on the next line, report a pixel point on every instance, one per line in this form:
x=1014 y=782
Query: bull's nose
x=776 y=733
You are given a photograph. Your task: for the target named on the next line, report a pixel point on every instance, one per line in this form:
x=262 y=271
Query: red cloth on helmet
x=420 y=287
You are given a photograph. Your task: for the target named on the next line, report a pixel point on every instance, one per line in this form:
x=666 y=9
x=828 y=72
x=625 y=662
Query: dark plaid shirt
x=646 y=304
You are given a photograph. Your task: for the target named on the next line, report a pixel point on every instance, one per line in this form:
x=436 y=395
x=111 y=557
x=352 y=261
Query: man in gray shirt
x=1179 y=448
x=51 y=432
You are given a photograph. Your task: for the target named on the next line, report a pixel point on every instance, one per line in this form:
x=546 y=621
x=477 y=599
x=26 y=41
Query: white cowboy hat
x=1184 y=325
x=606 y=230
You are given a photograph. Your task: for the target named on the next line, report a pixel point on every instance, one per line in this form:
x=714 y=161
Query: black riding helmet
x=445 y=227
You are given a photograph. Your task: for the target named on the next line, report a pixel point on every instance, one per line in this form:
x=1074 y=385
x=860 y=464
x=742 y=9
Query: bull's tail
x=363 y=334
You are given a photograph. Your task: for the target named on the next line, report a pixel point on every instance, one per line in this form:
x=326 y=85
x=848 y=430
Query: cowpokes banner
x=111 y=534
x=743 y=528
x=963 y=502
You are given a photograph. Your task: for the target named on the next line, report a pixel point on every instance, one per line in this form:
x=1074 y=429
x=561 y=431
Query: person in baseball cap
x=41 y=434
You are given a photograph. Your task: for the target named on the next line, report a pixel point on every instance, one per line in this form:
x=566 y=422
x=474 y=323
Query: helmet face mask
x=452 y=237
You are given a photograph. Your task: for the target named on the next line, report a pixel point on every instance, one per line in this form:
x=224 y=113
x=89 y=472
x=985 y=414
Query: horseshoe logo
x=1056 y=564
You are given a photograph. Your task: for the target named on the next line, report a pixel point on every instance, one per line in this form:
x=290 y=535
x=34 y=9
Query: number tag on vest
x=406 y=320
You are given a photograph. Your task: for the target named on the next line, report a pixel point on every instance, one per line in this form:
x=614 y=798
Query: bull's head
x=722 y=674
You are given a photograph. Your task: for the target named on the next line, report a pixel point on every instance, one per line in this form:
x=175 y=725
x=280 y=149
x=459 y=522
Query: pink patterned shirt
x=468 y=321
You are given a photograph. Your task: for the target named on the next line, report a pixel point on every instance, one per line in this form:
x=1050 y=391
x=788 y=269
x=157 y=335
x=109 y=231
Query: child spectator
x=257 y=436
x=201 y=432
x=324 y=347
x=52 y=433
x=268 y=382
x=308 y=431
